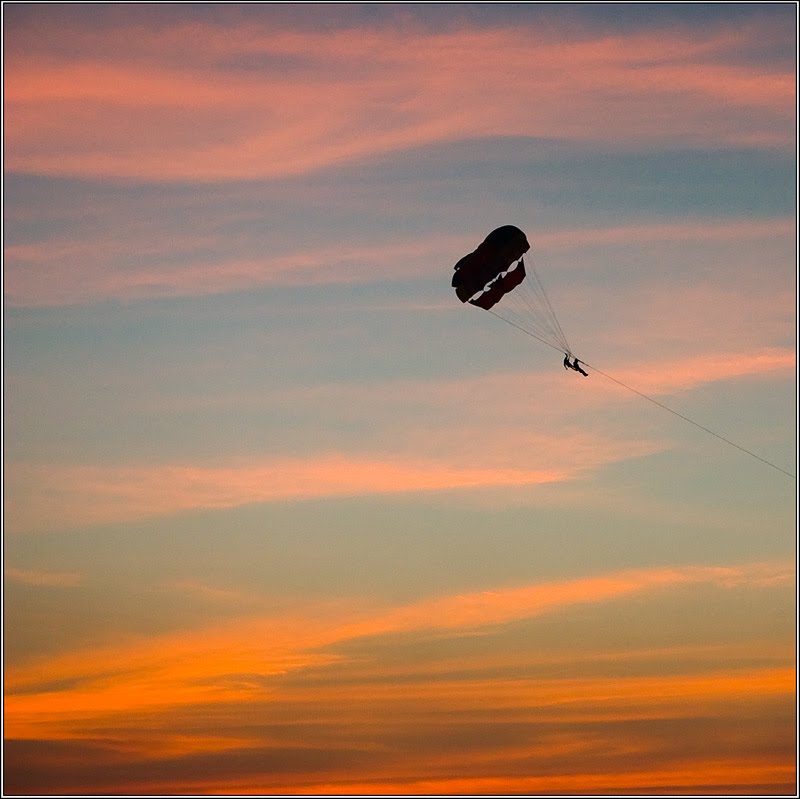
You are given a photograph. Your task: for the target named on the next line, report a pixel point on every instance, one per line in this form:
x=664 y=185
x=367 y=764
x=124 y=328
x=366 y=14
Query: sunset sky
x=281 y=515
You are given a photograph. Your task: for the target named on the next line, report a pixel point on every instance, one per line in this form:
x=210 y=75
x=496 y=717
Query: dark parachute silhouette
x=494 y=277
x=484 y=276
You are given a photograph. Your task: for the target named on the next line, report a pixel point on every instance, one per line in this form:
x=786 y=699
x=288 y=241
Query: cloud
x=37 y=276
x=75 y=271
x=745 y=776
x=688 y=373
x=468 y=611
x=41 y=497
x=302 y=101
x=36 y=577
x=241 y=698
x=457 y=451
x=213 y=594
x=195 y=666
x=706 y=230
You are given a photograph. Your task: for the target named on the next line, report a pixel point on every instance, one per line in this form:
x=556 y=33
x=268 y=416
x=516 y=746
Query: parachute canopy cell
x=484 y=276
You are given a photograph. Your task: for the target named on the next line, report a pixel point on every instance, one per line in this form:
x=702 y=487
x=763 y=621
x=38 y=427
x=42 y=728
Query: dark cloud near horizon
x=103 y=766
x=521 y=746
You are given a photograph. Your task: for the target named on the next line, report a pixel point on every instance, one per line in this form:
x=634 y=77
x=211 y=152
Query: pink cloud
x=546 y=396
x=459 y=453
x=360 y=94
x=71 y=271
x=43 y=274
x=40 y=497
x=705 y=230
x=688 y=373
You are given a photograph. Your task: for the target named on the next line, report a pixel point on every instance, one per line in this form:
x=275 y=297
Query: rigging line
x=655 y=402
x=535 y=273
x=545 y=323
x=526 y=313
x=691 y=421
x=526 y=332
x=530 y=293
x=535 y=295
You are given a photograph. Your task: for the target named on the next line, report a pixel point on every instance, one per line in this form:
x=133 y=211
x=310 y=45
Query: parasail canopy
x=485 y=275
x=494 y=277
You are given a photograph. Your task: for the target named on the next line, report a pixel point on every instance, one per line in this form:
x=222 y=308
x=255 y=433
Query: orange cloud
x=42 y=578
x=360 y=93
x=258 y=686
x=197 y=667
x=46 y=496
x=503 y=606
x=743 y=776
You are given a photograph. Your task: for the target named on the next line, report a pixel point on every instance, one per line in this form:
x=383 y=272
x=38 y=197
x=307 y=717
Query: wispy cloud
x=37 y=577
x=459 y=454
x=688 y=373
x=125 y=267
x=708 y=229
x=306 y=685
x=355 y=93
x=214 y=594
x=468 y=611
x=47 y=496
x=37 y=274
x=299 y=638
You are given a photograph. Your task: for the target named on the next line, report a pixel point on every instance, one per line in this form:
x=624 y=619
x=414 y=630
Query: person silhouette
x=577 y=367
